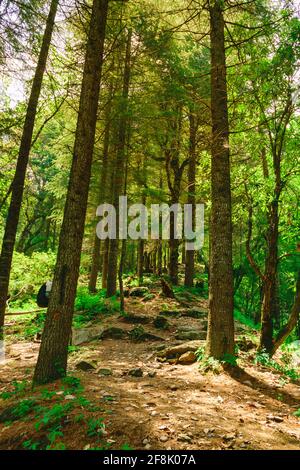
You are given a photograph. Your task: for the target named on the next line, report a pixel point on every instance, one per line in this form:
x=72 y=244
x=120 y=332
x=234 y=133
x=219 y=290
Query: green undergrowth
x=283 y=367
x=244 y=320
x=87 y=308
x=210 y=364
x=50 y=413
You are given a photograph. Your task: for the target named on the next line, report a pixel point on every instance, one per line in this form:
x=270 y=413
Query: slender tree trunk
x=159 y=257
x=292 y=321
x=174 y=251
x=268 y=310
x=52 y=360
x=190 y=254
x=96 y=257
x=123 y=252
x=141 y=246
x=140 y=272
x=13 y=215
x=220 y=338
x=119 y=173
x=105 y=263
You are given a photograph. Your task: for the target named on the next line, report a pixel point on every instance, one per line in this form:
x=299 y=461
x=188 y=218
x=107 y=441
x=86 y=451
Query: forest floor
x=145 y=403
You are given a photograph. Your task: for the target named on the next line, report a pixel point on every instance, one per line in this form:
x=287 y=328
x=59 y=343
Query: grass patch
x=244 y=320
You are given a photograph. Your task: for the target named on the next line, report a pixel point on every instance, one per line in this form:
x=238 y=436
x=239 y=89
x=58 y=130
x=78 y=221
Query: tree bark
x=292 y=322
x=119 y=173
x=96 y=256
x=268 y=309
x=190 y=254
x=52 y=359
x=220 y=338
x=17 y=188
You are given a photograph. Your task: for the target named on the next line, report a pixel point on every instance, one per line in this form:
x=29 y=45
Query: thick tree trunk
x=13 y=215
x=190 y=254
x=52 y=360
x=112 y=271
x=220 y=338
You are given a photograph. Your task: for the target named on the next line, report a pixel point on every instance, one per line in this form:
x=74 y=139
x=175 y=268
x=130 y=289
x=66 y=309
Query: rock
x=209 y=431
x=70 y=397
x=177 y=351
x=170 y=313
x=186 y=312
x=247 y=382
x=147 y=446
x=139 y=292
x=187 y=358
x=160 y=347
x=84 y=335
x=139 y=334
x=148 y=297
x=164 y=438
x=194 y=313
x=245 y=344
x=138 y=372
x=151 y=374
x=113 y=333
x=133 y=318
x=161 y=322
x=104 y=372
x=145 y=441
x=190 y=335
x=276 y=419
x=184 y=438
x=229 y=437
x=85 y=366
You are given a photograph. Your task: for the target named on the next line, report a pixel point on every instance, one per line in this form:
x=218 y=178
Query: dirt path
x=171 y=406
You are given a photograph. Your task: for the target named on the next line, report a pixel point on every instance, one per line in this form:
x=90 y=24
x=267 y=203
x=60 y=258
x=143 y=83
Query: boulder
x=104 y=372
x=161 y=322
x=177 y=351
x=187 y=358
x=185 y=312
x=190 y=334
x=137 y=372
x=133 y=318
x=84 y=335
x=113 y=333
x=138 y=334
x=170 y=313
x=85 y=366
x=139 y=292
x=194 y=312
